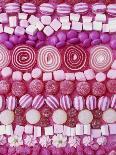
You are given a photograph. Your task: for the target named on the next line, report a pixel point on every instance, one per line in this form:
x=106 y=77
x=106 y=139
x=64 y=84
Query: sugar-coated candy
x=83 y=36
x=27 y=77
x=111 y=9
x=94 y=35
x=109 y=116
x=53 y=40
x=98 y=89
x=63 y=9
x=103 y=103
x=9 y=45
x=80 y=76
x=11 y=102
x=25 y=101
x=71 y=34
x=7 y=117
x=30 y=43
x=65 y=102
x=111 y=86
x=12 y=7
x=14 y=39
x=52 y=87
x=114 y=65
x=72 y=112
x=87 y=43
x=47 y=76
x=71 y=122
x=97 y=114
x=46 y=112
x=100 y=77
x=113 y=101
x=52 y=102
x=33 y=116
x=96 y=42
x=18 y=88
x=60 y=44
x=96 y=123
x=105 y=38
x=81 y=8
x=36 y=87
x=38 y=102
x=73 y=41
x=59 y=75
x=70 y=76
x=79 y=103
x=89 y=74
x=59 y=116
x=98 y=8
x=111 y=74
x=4 y=87
x=83 y=88
x=46 y=8
x=17 y=76
x=28 y=8
x=6 y=72
x=36 y=73
x=61 y=36
x=41 y=36
x=85 y=120
x=67 y=87
x=91 y=102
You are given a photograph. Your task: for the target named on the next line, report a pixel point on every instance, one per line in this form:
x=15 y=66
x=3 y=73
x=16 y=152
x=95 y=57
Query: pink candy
x=79 y=102
x=91 y=102
x=65 y=102
x=25 y=101
x=103 y=103
x=11 y=102
x=38 y=102
x=63 y=9
x=98 y=8
x=113 y=101
x=29 y=8
x=52 y=102
x=81 y=8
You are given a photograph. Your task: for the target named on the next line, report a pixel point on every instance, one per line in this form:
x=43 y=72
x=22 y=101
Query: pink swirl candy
x=29 y=8
x=79 y=103
x=25 y=101
x=81 y=8
x=12 y=7
x=98 y=8
x=65 y=102
x=11 y=102
x=63 y=9
x=38 y=102
x=111 y=9
x=103 y=103
x=52 y=102
x=91 y=102
x=113 y=101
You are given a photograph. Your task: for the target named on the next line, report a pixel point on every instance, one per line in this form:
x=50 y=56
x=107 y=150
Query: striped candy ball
x=111 y=9
x=98 y=8
x=113 y=101
x=11 y=102
x=63 y=9
x=12 y=8
x=25 y=101
x=65 y=102
x=38 y=102
x=28 y=8
x=91 y=102
x=52 y=102
x=79 y=103
x=81 y=8
x=46 y=8
x=103 y=103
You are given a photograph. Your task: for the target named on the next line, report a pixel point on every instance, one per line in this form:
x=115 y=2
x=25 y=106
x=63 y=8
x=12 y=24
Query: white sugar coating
x=114 y=65
x=85 y=116
x=27 y=76
x=109 y=116
x=33 y=116
x=36 y=73
x=59 y=116
x=17 y=76
x=111 y=74
x=100 y=77
x=7 y=117
x=6 y=72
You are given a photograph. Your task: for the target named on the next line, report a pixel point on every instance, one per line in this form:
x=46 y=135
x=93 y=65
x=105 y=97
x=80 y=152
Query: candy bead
x=83 y=88
x=113 y=101
x=111 y=86
x=53 y=40
x=65 y=102
x=51 y=87
x=91 y=102
x=6 y=72
x=25 y=101
x=41 y=36
x=74 y=41
x=87 y=43
x=4 y=87
x=9 y=45
x=61 y=36
x=14 y=39
x=4 y=37
x=38 y=102
x=113 y=44
x=11 y=102
x=95 y=42
x=109 y=116
x=52 y=102
x=60 y=44
x=79 y=103
x=7 y=117
x=98 y=89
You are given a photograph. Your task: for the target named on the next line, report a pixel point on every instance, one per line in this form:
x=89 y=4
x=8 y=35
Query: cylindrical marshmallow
x=25 y=101
x=91 y=102
x=6 y=72
x=11 y=102
x=27 y=77
x=65 y=102
x=103 y=103
x=70 y=76
x=100 y=77
x=79 y=129
x=79 y=103
x=52 y=102
x=59 y=75
x=38 y=102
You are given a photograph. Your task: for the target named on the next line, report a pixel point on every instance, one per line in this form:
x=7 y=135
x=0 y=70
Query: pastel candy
x=63 y=9
x=81 y=8
x=91 y=102
x=65 y=102
x=38 y=102
x=109 y=116
x=12 y=7
x=52 y=102
x=11 y=102
x=111 y=9
x=7 y=117
x=28 y=8
x=79 y=103
x=46 y=8
x=103 y=103
x=98 y=8
x=113 y=101
x=25 y=101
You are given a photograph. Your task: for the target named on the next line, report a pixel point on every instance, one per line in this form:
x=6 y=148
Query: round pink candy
x=103 y=103
x=65 y=102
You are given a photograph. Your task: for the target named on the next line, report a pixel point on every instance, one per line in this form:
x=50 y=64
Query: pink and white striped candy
x=79 y=103
x=25 y=101
x=113 y=101
x=103 y=103
x=46 y=8
x=81 y=8
x=98 y=8
x=65 y=102
x=38 y=102
x=28 y=8
x=91 y=102
x=63 y=9
x=52 y=102
x=12 y=7
x=111 y=9
x=11 y=102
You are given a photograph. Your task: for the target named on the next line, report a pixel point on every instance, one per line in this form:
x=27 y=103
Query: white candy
x=66 y=26
x=59 y=75
x=109 y=116
x=105 y=28
x=47 y=76
x=39 y=25
x=19 y=31
x=33 y=20
x=17 y=76
x=29 y=129
x=67 y=131
x=77 y=26
x=8 y=30
x=64 y=19
x=9 y=130
x=2 y=129
x=70 y=76
x=111 y=74
x=27 y=77
x=1 y=28
x=111 y=24
x=89 y=74
x=7 y=117
x=97 y=26
x=87 y=129
x=114 y=65
x=74 y=17
x=3 y=18
x=104 y=130
x=87 y=19
x=37 y=131
x=80 y=76
x=87 y=26
x=46 y=20
x=55 y=24
x=58 y=128
x=100 y=77
x=49 y=131
x=31 y=30
x=19 y=130
x=22 y=16
x=12 y=21
x=6 y=72
x=79 y=129
x=100 y=18
x=36 y=73
x=24 y=23
x=48 y=31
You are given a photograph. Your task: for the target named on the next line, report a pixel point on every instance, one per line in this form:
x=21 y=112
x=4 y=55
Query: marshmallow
x=72 y=131
x=9 y=130
x=89 y=74
x=1 y=28
x=76 y=26
x=111 y=74
x=6 y=72
x=58 y=128
x=64 y=19
x=27 y=77
x=37 y=131
x=48 y=31
x=97 y=26
x=114 y=65
x=39 y=25
x=12 y=21
x=33 y=20
x=100 y=77
x=47 y=76
x=87 y=26
x=59 y=75
x=8 y=30
x=31 y=29
x=111 y=25
x=2 y=129
x=36 y=73
x=49 y=131
x=87 y=19
x=55 y=24
x=112 y=128
x=66 y=131
x=105 y=28
x=46 y=20
x=95 y=133
x=80 y=76
x=17 y=76
x=3 y=18
x=74 y=17
x=19 y=130
x=87 y=129
x=79 y=129
x=29 y=129
x=104 y=130
x=22 y=16
x=19 y=31
x=100 y=18
x=66 y=26
x=70 y=76
x=24 y=23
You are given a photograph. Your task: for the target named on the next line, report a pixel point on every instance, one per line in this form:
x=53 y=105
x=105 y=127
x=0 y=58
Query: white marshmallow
x=105 y=28
x=1 y=28
x=70 y=76
x=12 y=21
x=3 y=18
x=19 y=31
x=66 y=131
x=95 y=133
x=55 y=24
x=111 y=74
x=76 y=26
x=64 y=19
x=87 y=26
x=37 y=131
x=46 y=20
x=79 y=129
x=9 y=130
x=19 y=130
x=48 y=31
x=39 y=25
x=66 y=26
x=111 y=24
x=2 y=129
x=29 y=129
x=33 y=20
x=112 y=128
x=8 y=30
x=104 y=130
x=74 y=17
x=58 y=128
x=80 y=76
x=31 y=30
x=87 y=129
x=6 y=72
x=72 y=131
x=17 y=76
x=114 y=65
x=24 y=23
x=97 y=26
x=89 y=74
x=36 y=73
x=100 y=77
x=59 y=75
x=49 y=131
x=87 y=19
x=47 y=76
x=22 y=16
x=100 y=18
x=27 y=77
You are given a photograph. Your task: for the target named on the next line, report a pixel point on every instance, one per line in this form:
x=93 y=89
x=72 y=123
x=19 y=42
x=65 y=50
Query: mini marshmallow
x=87 y=129
x=64 y=19
x=111 y=24
x=105 y=28
x=29 y=129
x=76 y=26
x=72 y=131
x=80 y=76
x=19 y=130
x=100 y=18
x=3 y=18
x=89 y=74
x=39 y=26
x=46 y=20
x=74 y=17
x=36 y=73
x=8 y=30
x=70 y=76
x=112 y=128
x=66 y=131
x=27 y=77
x=48 y=31
x=1 y=28
x=49 y=131
x=19 y=31
x=104 y=130
x=95 y=133
x=37 y=131
x=24 y=23
x=87 y=19
x=2 y=129
x=79 y=129
x=59 y=75
x=22 y=16
x=33 y=20
x=6 y=72
x=97 y=26
x=111 y=74
x=100 y=77
x=58 y=128
x=114 y=65
x=31 y=29
x=17 y=76
x=12 y=21
x=55 y=24
x=47 y=76
x=87 y=26
x=66 y=26
x=9 y=130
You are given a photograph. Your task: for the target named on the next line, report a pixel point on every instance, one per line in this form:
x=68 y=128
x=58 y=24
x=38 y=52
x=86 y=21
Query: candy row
x=61 y=9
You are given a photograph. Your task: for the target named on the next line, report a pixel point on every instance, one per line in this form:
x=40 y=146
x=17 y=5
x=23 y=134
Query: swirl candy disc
x=75 y=58
x=4 y=57
x=23 y=58
x=49 y=58
x=100 y=58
